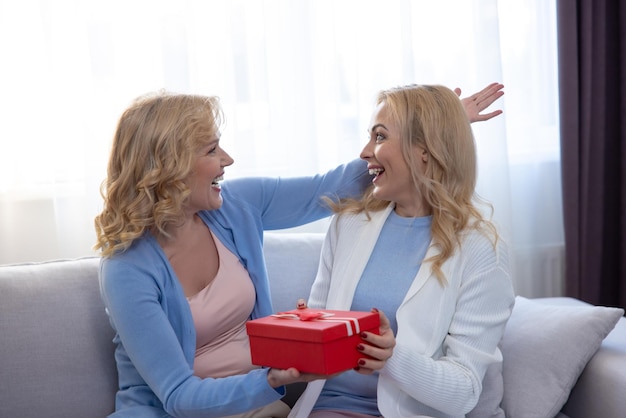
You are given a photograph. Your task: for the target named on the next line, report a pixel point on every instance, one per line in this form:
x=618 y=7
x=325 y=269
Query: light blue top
x=392 y=267
x=155 y=336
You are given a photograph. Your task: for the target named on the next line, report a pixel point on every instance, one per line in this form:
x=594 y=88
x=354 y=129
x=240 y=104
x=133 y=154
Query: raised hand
x=480 y=101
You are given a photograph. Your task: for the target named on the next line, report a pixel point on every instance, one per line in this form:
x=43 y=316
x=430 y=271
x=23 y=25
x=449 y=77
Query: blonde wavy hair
x=154 y=148
x=432 y=117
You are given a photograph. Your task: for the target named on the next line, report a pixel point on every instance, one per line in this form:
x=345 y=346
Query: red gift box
x=312 y=341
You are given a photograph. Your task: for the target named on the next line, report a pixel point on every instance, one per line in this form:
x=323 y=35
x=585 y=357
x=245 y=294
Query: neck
x=416 y=211
x=182 y=232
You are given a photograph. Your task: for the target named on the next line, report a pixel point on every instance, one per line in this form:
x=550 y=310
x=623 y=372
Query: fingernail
x=364 y=335
x=360 y=347
x=375 y=310
x=361 y=362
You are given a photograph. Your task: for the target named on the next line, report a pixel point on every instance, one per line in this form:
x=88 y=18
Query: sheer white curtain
x=297 y=81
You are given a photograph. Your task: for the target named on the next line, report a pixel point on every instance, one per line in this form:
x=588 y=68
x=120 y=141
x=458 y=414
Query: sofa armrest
x=56 y=348
x=599 y=391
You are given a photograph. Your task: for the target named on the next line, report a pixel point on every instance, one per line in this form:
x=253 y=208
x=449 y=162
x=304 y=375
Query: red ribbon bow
x=303 y=314
x=352 y=324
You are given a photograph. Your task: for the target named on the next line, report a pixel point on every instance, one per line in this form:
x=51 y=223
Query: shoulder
x=346 y=226
x=141 y=259
x=481 y=249
x=238 y=191
x=345 y=220
x=350 y=220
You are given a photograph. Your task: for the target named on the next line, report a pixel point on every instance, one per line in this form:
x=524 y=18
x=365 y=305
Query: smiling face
x=207 y=172
x=393 y=180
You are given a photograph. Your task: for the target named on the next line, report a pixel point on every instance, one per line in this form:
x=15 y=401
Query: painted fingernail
x=364 y=335
x=360 y=347
x=362 y=362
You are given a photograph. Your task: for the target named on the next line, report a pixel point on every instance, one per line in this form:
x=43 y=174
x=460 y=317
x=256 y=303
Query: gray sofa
x=56 y=354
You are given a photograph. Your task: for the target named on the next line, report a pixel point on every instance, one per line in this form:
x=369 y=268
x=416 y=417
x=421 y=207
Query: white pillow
x=545 y=349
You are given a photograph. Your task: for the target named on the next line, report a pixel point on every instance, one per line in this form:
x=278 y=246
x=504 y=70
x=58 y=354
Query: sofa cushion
x=292 y=261
x=545 y=349
x=56 y=349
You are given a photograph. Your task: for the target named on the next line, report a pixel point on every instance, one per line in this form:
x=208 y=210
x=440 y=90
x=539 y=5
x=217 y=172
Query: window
x=297 y=80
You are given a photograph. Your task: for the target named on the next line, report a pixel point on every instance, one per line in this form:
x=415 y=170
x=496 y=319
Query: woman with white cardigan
x=417 y=247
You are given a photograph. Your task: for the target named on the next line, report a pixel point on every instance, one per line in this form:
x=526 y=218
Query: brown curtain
x=592 y=95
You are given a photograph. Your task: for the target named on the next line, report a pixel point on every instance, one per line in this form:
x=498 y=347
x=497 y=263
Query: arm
x=468 y=326
x=480 y=101
x=286 y=202
x=156 y=349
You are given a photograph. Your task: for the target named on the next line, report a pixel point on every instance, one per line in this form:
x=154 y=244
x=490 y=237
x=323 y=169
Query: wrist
x=272 y=380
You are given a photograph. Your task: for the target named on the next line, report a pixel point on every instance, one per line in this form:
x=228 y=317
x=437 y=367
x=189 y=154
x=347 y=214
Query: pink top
x=220 y=312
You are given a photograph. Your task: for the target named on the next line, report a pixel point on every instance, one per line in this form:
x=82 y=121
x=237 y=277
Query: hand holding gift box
x=312 y=341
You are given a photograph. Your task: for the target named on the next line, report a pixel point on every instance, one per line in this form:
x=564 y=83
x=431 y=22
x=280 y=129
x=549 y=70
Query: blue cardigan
x=155 y=335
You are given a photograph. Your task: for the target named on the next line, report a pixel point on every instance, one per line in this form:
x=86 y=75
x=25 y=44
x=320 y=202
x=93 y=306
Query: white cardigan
x=447 y=335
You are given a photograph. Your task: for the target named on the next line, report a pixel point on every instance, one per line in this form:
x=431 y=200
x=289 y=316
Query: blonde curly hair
x=154 y=147
x=432 y=117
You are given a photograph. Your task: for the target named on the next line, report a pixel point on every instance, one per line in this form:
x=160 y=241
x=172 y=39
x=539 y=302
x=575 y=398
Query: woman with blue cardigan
x=183 y=269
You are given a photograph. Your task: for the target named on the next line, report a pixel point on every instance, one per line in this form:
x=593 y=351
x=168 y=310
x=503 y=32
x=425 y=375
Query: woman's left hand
x=378 y=347
x=480 y=101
